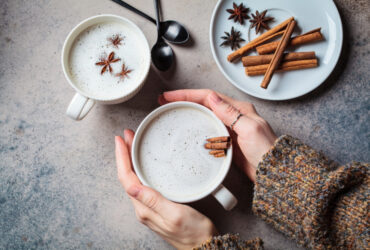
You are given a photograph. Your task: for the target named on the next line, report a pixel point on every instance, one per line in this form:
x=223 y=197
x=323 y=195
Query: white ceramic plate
x=285 y=85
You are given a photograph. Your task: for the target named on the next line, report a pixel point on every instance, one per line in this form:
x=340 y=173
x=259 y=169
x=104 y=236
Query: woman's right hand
x=252 y=135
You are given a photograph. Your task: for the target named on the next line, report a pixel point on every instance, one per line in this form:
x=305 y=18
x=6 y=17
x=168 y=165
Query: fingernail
x=133 y=191
x=215 y=98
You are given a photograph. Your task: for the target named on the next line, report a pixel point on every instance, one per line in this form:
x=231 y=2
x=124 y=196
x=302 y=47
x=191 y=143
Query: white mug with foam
x=168 y=154
x=86 y=78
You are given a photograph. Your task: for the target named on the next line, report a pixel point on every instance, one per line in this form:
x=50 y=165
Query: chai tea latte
x=171 y=155
x=95 y=43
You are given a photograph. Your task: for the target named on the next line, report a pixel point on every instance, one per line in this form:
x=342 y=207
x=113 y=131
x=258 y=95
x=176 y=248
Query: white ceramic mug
x=83 y=101
x=221 y=193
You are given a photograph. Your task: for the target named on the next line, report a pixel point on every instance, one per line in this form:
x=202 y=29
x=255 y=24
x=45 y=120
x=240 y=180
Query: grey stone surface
x=58 y=184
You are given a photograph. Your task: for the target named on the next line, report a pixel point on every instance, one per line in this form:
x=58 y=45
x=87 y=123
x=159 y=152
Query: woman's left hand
x=180 y=225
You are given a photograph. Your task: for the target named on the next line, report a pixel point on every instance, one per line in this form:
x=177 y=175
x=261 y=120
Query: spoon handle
x=127 y=6
x=156 y=6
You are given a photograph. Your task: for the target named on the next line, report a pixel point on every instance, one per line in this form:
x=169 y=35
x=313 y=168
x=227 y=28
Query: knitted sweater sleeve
x=230 y=242
x=314 y=201
x=310 y=199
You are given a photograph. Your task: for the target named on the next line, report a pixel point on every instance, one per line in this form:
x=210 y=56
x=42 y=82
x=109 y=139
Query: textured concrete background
x=58 y=184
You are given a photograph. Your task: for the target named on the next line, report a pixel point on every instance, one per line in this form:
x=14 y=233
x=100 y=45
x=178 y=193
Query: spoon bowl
x=162 y=55
x=174 y=32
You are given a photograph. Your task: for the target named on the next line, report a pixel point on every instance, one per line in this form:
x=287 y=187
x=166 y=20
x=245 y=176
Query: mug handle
x=225 y=197
x=79 y=107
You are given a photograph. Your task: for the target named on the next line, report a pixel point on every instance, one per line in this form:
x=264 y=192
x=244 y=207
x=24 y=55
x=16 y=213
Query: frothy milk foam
x=91 y=45
x=172 y=157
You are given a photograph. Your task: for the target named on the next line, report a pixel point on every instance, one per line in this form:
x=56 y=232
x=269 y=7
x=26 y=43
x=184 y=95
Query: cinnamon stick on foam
x=222 y=154
x=217 y=145
x=259 y=40
x=311 y=36
x=278 y=54
x=285 y=66
x=219 y=139
x=266 y=59
x=216 y=151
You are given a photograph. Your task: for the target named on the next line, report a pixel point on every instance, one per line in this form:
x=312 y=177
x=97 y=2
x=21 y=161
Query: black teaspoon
x=172 y=31
x=162 y=54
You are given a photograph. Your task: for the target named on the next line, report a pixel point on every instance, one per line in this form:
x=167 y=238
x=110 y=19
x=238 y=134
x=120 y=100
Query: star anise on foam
x=115 y=40
x=238 y=13
x=124 y=72
x=260 y=21
x=105 y=62
x=232 y=39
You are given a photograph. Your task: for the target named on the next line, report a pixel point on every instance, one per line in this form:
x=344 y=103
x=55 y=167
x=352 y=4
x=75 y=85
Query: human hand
x=180 y=225
x=252 y=135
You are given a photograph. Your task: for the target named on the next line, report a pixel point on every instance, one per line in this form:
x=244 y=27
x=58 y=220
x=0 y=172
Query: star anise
x=124 y=72
x=232 y=39
x=260 y=21
x=238 y=13
x=106 y=62
x=115 y=40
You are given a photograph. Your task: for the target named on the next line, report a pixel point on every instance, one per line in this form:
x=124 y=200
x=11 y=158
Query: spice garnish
x=222 y=154
x=106 y=62
x=272 y=33
x=218 y=145
x=260 y=21
x=216 y=151
x=232 y=39
x=115 y=40
x=238 y=13
x=276 y=58
x=311 y=36
x=219 y=139
x=124 y=72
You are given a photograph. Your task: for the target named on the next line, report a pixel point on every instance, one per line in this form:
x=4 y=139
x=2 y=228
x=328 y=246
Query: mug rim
x=65 y=55
x=218 y=180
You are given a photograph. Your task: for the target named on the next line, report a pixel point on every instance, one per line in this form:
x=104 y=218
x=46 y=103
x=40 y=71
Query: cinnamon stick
x=266 y=59
x=216 y=151
x=278 y=54
x=257 y=41
x=219 y=139
x=311 y=36
x=312 y=31
x=217 y=145
x=220 y=154
x=285 y=66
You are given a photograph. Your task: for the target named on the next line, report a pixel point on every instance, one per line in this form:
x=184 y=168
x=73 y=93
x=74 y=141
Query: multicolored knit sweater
x=310 y=199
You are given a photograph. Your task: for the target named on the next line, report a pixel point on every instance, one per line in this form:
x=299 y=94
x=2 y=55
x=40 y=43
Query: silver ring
x=236 y=119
